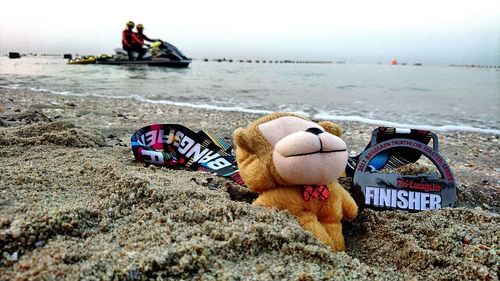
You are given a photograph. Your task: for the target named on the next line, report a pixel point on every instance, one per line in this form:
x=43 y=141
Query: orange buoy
x=394 y=62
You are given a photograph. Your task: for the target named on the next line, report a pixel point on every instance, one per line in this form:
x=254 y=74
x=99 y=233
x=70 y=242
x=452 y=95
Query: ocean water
x=439 y=98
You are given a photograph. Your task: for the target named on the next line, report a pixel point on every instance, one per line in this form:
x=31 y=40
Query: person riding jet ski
x=130 y=42
x=140 y=37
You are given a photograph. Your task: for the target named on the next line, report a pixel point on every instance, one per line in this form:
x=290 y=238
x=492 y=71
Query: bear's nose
x=314 y=130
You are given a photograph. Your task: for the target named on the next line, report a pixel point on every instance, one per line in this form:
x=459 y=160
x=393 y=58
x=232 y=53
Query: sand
x=75 y=205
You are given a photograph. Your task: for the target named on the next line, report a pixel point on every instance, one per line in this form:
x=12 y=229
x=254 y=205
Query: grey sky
x=431 y=32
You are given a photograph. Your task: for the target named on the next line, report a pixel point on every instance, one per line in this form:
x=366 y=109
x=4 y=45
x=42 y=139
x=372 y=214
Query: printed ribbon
x=175 y=145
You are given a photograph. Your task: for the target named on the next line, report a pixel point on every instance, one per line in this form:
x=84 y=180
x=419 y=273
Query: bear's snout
x=312 y=156
x=311 y=141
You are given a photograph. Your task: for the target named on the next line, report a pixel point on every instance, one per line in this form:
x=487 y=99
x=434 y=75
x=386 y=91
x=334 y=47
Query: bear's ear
x=241 y=139
x=331 y=128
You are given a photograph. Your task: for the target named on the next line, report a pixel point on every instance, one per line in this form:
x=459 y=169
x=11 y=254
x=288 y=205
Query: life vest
x=128 y=39
x=140 y=37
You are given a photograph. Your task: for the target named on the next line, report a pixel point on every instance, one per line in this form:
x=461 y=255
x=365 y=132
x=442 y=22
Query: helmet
x=140 y=26
x=130 y=23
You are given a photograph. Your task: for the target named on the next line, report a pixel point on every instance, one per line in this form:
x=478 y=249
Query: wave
x=11 y=87
x=41 y=90
x=378 y=122
x=204 y=106
x=36 y=90
x=323 y=115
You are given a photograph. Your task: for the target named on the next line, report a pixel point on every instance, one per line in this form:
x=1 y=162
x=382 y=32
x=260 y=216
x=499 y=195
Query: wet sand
x=75 y=205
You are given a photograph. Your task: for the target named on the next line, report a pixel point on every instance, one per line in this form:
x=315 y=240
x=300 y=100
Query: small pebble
x=40 y=243
x=134 y=274
x=13 y=257
x=4 y=222
x=484 y=247
x=213 y=186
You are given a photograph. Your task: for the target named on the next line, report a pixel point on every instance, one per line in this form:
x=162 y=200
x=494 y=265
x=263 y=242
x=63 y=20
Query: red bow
x=317 y=191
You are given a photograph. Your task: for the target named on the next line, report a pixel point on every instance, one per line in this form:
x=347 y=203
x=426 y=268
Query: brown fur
x=321 y=217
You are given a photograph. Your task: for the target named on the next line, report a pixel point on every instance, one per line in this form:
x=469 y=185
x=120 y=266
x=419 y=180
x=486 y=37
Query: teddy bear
x=294 y=164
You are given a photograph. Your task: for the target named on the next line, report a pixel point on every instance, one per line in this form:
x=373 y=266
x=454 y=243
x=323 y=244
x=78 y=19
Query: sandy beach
x=75 y=205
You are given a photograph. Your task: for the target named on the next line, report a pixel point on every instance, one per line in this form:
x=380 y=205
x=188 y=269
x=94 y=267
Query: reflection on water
x=137 y=72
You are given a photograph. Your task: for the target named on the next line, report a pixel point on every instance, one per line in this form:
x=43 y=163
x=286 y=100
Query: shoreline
x=238 y=109
x=75 y=204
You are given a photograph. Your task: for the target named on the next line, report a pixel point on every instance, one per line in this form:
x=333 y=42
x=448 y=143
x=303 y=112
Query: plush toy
x=294 y=163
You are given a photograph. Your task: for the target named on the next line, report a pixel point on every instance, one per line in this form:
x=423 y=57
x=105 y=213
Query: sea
x=433 y=97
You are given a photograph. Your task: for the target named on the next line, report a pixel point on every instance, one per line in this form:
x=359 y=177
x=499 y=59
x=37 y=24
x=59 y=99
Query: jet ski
x=160 y=53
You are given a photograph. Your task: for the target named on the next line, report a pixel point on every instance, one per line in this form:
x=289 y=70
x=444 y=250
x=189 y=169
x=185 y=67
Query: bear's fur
x=281 y=153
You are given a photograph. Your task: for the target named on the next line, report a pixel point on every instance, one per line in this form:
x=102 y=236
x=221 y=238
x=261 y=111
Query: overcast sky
x=427 y=31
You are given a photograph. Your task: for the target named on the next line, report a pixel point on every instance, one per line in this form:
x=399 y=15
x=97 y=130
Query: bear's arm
x=349 y=206
x=280 y=198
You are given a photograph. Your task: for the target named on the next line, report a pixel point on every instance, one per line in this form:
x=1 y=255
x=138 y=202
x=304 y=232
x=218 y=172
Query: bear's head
x=285 y=149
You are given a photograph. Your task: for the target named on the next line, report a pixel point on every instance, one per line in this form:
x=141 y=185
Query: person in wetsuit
x=140 y=37
x=130 y=42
